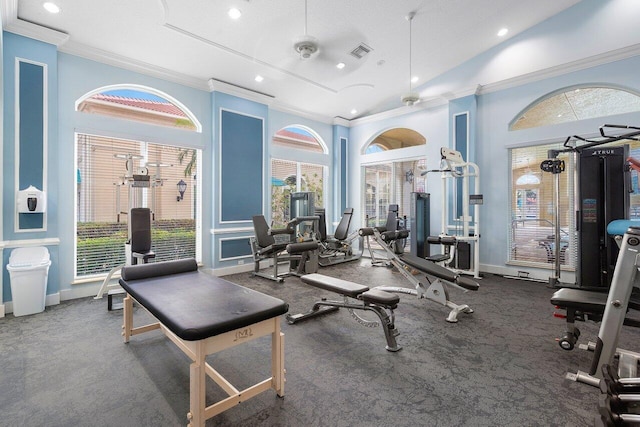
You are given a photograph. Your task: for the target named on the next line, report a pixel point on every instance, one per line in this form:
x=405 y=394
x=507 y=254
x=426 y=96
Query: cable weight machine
x=603 y=186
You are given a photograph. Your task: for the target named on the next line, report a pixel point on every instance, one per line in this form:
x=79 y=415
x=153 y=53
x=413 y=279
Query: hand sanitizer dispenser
x=32 y=200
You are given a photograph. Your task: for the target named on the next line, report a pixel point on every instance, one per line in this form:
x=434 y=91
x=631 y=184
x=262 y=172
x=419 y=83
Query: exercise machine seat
x=264 y=238
x=140 y=232
x=579 y=299
x=334 y=284
x=342 y=231
x=436 y=270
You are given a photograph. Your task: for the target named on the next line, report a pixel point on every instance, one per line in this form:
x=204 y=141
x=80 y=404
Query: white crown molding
x=555 y=71
x=214 y=85
x=341 y=121
x=37 y=32
x=8 y=11
x=558 y=70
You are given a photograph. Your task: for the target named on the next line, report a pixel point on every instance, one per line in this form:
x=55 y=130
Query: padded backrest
x=140 y=229
x=261 y=230
x=322 y=223
x=392 y=218
x=342 y=231
x=157 y=269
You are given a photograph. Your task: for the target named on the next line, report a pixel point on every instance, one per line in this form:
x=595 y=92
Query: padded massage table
x=202 y=315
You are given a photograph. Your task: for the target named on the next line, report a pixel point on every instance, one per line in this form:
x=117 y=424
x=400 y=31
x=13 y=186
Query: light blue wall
x=42 y=53
x=228 y=238
x=497 y=109
x=79 y=76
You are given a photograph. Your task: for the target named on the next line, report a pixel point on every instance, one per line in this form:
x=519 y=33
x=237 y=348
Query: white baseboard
x=539 y=274
x=50 y=299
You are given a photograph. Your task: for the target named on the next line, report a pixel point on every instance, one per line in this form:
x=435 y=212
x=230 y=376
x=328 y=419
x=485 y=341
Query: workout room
x=335 y=213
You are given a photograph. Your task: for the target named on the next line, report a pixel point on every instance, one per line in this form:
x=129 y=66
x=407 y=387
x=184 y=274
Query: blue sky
x=130 y=93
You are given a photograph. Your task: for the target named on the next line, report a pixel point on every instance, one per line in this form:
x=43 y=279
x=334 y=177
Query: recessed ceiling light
x=340 y=65
x=234 y=13
x=503 y=32
x=259 y=78
x=354 y=111
x=414 y=79
x=51 y=7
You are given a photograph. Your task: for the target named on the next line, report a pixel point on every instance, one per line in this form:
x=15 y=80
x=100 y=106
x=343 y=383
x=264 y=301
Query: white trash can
x=28 y=272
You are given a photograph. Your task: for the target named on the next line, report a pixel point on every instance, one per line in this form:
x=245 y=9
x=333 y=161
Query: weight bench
x=356 y=297
x=202 y=315
x=432 y=290
x=579 y=305
x=610 y=309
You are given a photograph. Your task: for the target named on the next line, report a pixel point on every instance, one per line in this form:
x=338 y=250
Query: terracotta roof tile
x=145 y=104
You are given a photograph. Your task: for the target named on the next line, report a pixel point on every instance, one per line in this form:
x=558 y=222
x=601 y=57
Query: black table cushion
x=195 y=305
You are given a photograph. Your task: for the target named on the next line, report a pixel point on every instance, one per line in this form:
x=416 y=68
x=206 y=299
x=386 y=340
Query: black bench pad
x=195 y=305
x=588 y=301
x=334 y=284
x=380 y=297
x=429 y=267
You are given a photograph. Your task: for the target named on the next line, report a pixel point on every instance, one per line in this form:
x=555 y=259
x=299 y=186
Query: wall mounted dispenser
x=31 y=200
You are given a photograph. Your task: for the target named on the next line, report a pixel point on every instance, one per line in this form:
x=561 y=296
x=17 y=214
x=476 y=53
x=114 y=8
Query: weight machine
x=460 y=232
x=602 y=196
x=138 y=244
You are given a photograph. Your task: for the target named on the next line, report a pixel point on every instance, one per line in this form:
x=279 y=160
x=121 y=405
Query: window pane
x=532 y=234
x=104 y=195
x=297 y=137
x=137 y=105
x=394 y=139
x=577 y=104
x=312 y=180
x=174 y=223
x=285 y=180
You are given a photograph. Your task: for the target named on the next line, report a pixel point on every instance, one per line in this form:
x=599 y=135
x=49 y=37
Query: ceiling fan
x=410 y=98
x=306 y=45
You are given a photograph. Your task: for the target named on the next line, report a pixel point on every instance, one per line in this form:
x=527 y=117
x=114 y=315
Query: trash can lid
x=26 y=257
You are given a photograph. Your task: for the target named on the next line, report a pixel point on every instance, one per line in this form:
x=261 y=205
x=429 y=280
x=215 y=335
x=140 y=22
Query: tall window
x=532 y=232
x=391 y=183
x=289 y=176
x=109 y=184
x=106 y=190
x=532 y=225
x=532 y=229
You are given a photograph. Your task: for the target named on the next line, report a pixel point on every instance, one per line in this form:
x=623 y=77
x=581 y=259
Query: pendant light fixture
x=410 y=98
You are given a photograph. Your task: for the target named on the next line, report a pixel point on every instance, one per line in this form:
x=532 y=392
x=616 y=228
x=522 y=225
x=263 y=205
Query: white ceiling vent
x=361 y=51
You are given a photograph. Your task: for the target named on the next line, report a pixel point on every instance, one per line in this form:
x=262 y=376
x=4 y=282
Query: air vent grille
x=361 y=51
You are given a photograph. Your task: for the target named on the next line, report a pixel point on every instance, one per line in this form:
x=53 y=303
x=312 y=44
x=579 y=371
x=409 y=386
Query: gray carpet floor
x=499 y=366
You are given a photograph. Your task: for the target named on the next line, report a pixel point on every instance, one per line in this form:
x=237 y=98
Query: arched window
x=299 y=137
x=138 y=103
x=576 y=103
x=291 y=175
x=393 y=139
x=392 y=181
x=114 y=175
